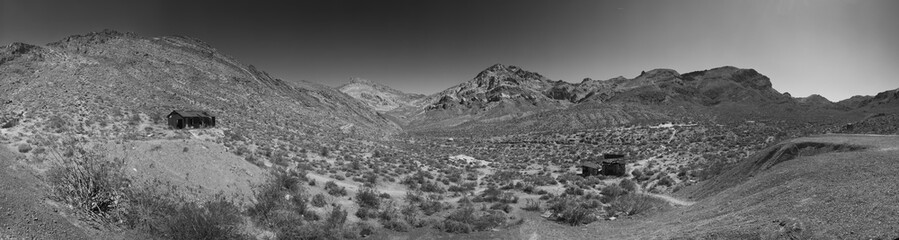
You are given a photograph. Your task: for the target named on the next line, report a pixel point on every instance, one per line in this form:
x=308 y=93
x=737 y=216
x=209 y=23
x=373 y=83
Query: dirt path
x=671 y=200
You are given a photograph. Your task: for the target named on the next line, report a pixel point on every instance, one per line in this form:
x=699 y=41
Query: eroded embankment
x=766 y=159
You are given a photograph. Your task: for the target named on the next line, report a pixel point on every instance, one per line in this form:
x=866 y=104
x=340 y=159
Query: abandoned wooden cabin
x=180 y=119
x=590 y=169
x=610 y=165
x=614 y=167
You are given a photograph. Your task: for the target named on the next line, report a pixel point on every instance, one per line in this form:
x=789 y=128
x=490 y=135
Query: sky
x=836 y=48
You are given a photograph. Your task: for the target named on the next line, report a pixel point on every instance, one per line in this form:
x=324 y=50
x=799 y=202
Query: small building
x=590 y=169
x=614 y=167
x=180 y=119
x=610 y=165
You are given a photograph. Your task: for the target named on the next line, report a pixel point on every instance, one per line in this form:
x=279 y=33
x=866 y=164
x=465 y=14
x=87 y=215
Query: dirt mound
x=766 y=159
x=198 y=169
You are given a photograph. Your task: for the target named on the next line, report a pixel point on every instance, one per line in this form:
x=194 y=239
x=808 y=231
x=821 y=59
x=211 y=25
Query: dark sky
x=837 y=48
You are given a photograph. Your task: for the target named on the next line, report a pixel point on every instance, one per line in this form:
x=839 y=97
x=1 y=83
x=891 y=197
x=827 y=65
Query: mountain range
x=511 y=98
x=108 y=73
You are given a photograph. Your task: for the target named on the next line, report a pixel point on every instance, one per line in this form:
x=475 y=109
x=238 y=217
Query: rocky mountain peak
x=814 y=99
x=361 y=81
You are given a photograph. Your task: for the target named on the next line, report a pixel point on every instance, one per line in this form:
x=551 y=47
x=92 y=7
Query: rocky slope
x=379 y=97
x=84 y=78
x=508 y=97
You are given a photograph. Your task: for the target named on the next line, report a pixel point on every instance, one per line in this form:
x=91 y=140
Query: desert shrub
x=335 y=190
x=610 y=193
x=414 y=196
x=465 y=220
x=532 y=205
x=666 y=181
x=505 y=207
x=628 y=185
x=574 y=190
x=24 y=148
x=135 y=120
x=396 y=224
x=336 y=218
x=433 y=187
x=172 y=217
x=576 y=215
x=368 y=198
x=305 y=231
x=57 y=123
x=214 y=220
x=430 y=207
x=366 y=213
x=10 y=123
x=638 y=175
x=632 y=204
x=540 y=180
x=86 y=180
x=568 y=210
x=280 y=201
x=568 y=177
x=319 y=200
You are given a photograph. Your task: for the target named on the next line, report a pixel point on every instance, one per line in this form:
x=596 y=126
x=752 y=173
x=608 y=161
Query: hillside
x=510 y=99
x=84 y=79
x=379 y=97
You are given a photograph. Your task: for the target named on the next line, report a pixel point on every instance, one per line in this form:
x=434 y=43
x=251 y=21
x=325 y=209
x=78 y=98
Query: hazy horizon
x=834 y=48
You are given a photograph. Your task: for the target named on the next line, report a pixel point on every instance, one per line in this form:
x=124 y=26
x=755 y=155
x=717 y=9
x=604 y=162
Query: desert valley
x=117 y=135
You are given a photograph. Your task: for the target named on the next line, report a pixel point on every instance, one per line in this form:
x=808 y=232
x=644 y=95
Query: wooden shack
x=181 y=119
x=611 y=164
x=614 y=167
x=590 y=169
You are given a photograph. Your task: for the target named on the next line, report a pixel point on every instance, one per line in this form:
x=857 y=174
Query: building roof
x=590 y=165
x=191 y=113
x=615 y=161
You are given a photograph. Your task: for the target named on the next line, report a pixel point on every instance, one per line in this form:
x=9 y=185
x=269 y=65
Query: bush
x=10 y=123
x=532 y=205
x=430 y=207
x=576 y=215
x=396 y=224
x=465 y=220
x=273 y=208
x=505 y=207
x=368 y=198
x=214 y=220
x=170 y=217
x=610 y=193
x=334 y=190
x=569 y=210
x=666 y=181
x=632 y=204
x=319 y=200
x=87 y=181
x=628 y=185
x=24 y=148
x=366 y=213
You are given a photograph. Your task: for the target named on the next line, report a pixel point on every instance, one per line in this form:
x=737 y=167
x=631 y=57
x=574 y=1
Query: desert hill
x=84 y=78
x=381 y=98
